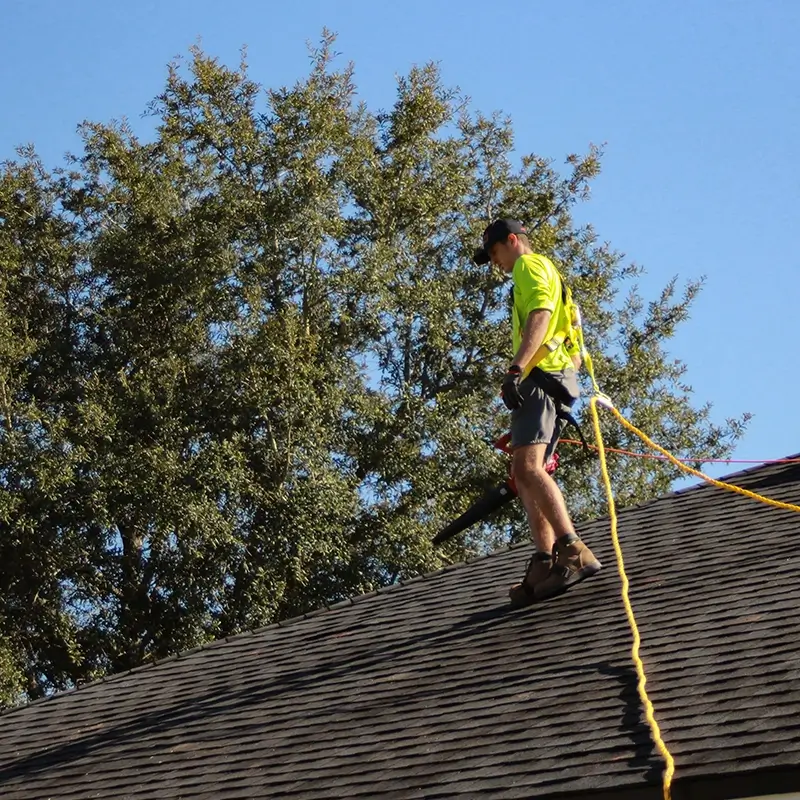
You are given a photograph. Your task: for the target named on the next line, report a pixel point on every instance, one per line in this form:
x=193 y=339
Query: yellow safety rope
x=720 y=484
x=600 y=398
x=649 y=711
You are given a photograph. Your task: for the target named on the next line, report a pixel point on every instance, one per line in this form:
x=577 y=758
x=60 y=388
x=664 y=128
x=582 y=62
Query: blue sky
x=697 y=104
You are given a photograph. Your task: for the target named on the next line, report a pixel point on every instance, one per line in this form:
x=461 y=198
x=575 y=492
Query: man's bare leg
x=540 y=493
x=549 y=521
x=542 y=533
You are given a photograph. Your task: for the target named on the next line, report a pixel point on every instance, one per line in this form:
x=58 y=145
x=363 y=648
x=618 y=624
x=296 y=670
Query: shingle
x=437 y=689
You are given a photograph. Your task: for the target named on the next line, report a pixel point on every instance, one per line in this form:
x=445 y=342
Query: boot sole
x=577 y=577
x=526 y=600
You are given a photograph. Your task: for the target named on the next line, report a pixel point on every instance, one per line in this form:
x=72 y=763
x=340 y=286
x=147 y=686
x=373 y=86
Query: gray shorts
x=536 y=422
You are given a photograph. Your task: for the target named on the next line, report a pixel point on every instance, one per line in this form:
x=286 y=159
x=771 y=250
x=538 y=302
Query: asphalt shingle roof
x=435 y=689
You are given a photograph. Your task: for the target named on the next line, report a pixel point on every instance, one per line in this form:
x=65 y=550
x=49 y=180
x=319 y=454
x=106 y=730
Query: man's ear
x=512 y=240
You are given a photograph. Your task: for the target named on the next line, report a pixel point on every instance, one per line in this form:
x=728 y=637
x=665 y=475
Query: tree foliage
x=247 y=366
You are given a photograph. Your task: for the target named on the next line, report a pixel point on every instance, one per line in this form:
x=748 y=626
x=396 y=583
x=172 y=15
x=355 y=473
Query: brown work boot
x=538 y=569
x=572 y=562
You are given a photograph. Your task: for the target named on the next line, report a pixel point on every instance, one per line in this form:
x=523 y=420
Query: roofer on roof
x=538 y=394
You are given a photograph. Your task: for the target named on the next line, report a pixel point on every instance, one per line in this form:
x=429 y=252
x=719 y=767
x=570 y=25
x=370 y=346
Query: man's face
x=504 y=254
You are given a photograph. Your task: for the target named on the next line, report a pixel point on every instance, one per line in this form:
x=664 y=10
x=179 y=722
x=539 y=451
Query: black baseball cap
x=498 y=231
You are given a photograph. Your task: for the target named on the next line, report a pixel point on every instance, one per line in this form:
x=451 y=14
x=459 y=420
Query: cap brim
x=481 y=256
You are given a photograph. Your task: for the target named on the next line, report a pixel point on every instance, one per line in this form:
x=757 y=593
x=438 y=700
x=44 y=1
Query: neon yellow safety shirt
x=538 y=286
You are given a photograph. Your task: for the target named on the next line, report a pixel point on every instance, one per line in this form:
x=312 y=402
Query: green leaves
x=249 y=368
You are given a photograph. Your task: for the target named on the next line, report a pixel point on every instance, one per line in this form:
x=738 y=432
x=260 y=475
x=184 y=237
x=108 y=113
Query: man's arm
x=532 y=336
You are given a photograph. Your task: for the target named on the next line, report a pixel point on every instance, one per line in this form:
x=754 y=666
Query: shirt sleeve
x=534 y=285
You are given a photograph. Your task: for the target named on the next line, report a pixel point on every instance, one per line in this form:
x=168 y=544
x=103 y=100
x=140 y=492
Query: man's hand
x=510 y=390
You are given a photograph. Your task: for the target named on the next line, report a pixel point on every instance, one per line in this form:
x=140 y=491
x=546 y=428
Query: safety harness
x=569 y=334
x=562 y=399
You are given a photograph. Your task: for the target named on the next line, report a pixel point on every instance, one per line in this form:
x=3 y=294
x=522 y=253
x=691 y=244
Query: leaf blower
x=492 y=500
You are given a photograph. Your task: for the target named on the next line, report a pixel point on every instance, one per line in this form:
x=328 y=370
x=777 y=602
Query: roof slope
x=435 y=689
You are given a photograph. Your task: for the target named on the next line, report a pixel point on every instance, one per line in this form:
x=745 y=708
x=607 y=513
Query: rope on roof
x=699 y=460
x=600 y=399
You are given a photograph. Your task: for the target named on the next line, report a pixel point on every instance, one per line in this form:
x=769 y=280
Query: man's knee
x=529 y=463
